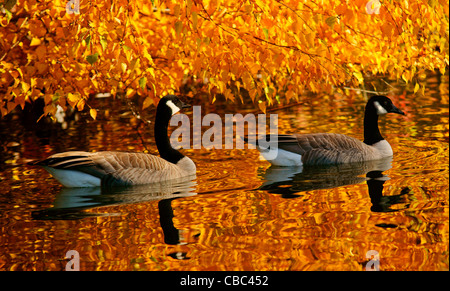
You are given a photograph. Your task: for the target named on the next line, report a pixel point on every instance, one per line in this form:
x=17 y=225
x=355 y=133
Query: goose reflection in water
x=290 y=181
x=70 y=203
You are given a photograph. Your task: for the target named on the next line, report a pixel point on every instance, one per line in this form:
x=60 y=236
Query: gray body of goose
x=332 y=148
x=86 y=169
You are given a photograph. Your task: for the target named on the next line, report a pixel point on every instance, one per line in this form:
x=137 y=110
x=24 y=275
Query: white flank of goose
x=332 y=148
x=108 y=168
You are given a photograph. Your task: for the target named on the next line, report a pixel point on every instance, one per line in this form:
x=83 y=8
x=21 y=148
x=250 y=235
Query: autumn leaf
x=194 y=20
x=178 y=27
x=87 y=40
x=9 y=4
x=130 y=92
x=416 y=88
x=41 y=52
x=269 y=50
x=93 y=113
x=310 y=39
x=73 y=99
x=262 y=106
x=358 y=75
x=266 y=33
x=35 y=41
x=25 y=86
x=104 y=42
x=143 y=83
x=330 y=21
x=91 y=59
x=147 y=102
x=80 y=104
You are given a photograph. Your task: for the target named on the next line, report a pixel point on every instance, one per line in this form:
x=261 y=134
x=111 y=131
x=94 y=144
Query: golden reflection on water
x=230 y=219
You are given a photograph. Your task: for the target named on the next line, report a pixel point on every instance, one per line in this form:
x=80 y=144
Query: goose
x=111 y=168
x=332 y=148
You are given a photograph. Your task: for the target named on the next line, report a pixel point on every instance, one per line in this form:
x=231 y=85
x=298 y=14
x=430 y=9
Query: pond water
x=238 y=213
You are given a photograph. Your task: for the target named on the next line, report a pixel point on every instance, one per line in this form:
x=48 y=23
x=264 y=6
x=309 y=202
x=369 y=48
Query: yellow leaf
x=330 y=21
x=35 y=41
x=33 y=82
x=148 y=56
x=80 y=104
x=113 y=91
x=194 y=19
x=262 y=106
x=25 y=87
x=147 y=102
x=358 y=75
x=151 y=71
x=406 y=76
x=133 y=64
x=123 y=66
x=93 y=113
x=146 y=9
x=73 y=99
x=290 y=94
x=310 y=39
x=20 y=72
x=178 y=27
x=95 y=83
x=130 y=92
x=422 y=90
x=416 y=88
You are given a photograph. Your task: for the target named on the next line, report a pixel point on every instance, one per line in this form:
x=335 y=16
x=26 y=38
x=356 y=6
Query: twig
x=144 y=121
x=136 y=114
x=366 y=91
x=140 y=136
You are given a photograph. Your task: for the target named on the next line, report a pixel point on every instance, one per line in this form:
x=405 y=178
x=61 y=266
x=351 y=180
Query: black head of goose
x=332 y=148
x=108 y=168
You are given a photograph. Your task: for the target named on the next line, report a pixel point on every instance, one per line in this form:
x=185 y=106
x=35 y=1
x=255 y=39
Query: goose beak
x=396 y=110
x=185 y=105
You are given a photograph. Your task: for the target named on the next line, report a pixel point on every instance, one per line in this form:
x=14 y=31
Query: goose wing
x=325 y=148
x=116 y=168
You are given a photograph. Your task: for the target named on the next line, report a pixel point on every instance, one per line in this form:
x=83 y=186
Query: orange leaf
x=10 y=106
x=41 y=52
x=262 y=106
x=147 y=102
x=80 y=104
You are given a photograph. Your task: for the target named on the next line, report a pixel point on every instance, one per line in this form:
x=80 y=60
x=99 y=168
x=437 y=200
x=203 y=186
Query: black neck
x=372 y=133
x=166 y=151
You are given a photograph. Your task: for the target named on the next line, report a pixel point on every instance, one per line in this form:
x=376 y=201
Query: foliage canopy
x=274 y=50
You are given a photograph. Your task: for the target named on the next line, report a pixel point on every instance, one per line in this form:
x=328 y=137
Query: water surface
x=238 y=213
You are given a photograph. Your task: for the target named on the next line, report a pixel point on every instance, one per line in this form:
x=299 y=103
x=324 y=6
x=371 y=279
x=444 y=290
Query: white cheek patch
x=380 y=109
x=173 y=107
